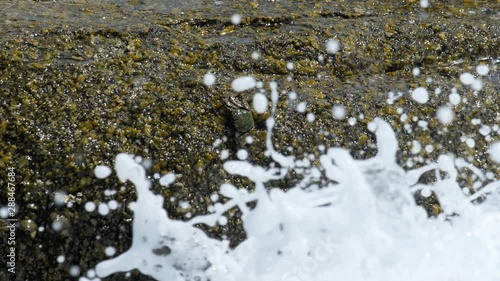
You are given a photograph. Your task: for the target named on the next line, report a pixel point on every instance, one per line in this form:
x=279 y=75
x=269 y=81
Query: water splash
x=363 y=225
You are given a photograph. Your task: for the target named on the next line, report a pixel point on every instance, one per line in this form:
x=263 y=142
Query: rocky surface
x=81 y=81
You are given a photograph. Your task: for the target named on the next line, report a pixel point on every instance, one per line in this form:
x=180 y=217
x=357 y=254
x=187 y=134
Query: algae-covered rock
x=82 y=81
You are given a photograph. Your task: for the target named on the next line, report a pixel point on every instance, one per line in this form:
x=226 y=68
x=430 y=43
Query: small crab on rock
x=241 y=114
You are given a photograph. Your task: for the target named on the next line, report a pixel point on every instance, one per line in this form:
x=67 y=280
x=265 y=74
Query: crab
x=241 y=114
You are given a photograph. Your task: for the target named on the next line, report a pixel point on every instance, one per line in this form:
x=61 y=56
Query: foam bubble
x=110 y=251
x=471 y=143
x=242 y=154
x=89 y=206
x=339 y=112
x=332 y=46
x=102 y=172
x=61 y=259
x=420 y=95
x=301 y=107
x=113 y=204
x=224 y=154
x=477 y=85
x=482 y=69
x=310 y=117
x=466 y=78
x=243 y=83
x=209 y=79
x=249 y=139
x=57 y=225
x=454 y=98
x=494 y=152
x=60 y=198
x=445 y=115
x=236 y=19
x=424 y=4
x=103 y=209
x=260 y=103
x=416 y=147
x=167 y=179
x=74 y=270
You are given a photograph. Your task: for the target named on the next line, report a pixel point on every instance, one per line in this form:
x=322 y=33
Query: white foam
x=249 y=139
x=243 y=83
x=466 y=78
x=477 y=85
x=310 y=117
x=61 y=259
x=301 y=107
x=74 y=270
x=416 y=147
x=362 y=224
x=454 y=98
x=471 y=143
x=209 y=79
x=260 y=103
x=482 y=69
x=102 y=172
x=242 y=154
x=167 y=179
x=236 y=19
x=224 y=154
x=445 y=115
x=332 y=46
x=89 y=206
x=60 y=198
x=420 y=95
x=113 y=204
x=103 y=209
x=494 y=151
x=485 y=130
x=110 y=251
x=339 y=112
